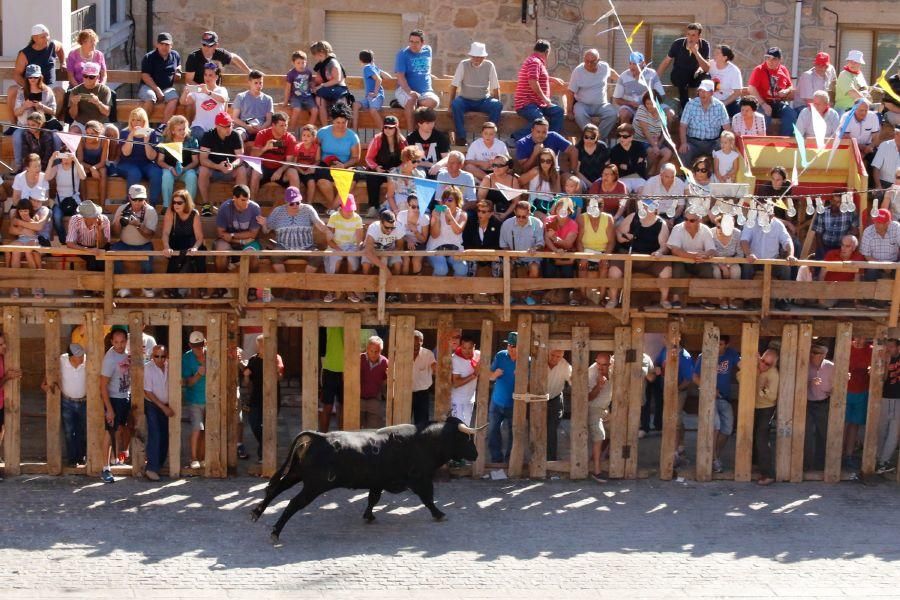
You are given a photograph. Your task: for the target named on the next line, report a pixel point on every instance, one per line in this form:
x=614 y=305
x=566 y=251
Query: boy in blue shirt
x=297 y=94
x=374 y=96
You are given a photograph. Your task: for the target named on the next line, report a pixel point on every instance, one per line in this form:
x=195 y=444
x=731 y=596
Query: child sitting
x=726 y=159
x=308 y=153
x=26 y=213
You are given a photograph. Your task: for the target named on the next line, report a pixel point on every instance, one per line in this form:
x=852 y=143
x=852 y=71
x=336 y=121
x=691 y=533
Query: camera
x=127 y=218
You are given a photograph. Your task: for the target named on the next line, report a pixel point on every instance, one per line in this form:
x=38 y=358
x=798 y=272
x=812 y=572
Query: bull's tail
x=297 y=451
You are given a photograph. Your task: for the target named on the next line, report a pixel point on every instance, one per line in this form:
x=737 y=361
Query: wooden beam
x=54 y=408
x=618 y=421
x=96 y=423
x=520 y=407
x=352 y=325
x=243 y=289
x=894 y=312
x=382 y=294
x=108 y=267
x=232 y=409
x=876 y=392
x=174 y=383
x=743 y=445
x=670 y=403
x=784 y=413
x=706 y=433
x=310 y=365
x=402 y=369
x=391 y=375
x=635 y=398
x=579 y=454
x=483 y=395
x=801 y=375
x=136 y=350
x=12 y=440
x=537 y=385
x=766 y=300
x=216 y=357
x=442 y=383
x=507 y=289
x=270 y=392
x=838 y=404
x=626 y=291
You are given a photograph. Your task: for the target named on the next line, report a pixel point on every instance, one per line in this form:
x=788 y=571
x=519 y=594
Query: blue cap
x=636 y=58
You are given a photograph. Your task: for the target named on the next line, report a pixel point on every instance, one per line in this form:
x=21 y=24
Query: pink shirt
x=532 y=68
x=570 y=226
x=75 y=64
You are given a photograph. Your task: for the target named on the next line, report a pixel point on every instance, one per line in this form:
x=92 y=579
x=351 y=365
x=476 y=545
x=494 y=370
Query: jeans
x=167 y=184
x=255 y=420
x=441 y=266
x=157 y=436
x=492 y=107
x=135 y=172
x=653 y=405
x=420 y=408
x=146 y=265
x=74 y=418
x=499 y=416
x=608 y=113
x=698 y=147
x=816 y=433
x=373 y=188
x=554 y=416
x=787 y=114
x=761 y=444
x=733 y=108
x=530 y=112
x=59 y=223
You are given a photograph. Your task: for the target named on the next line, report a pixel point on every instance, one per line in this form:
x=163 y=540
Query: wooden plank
x=801 y=374
x=391 y=374
x=483 y=395
x=12 y=440
x=766 y=299
x=894 y=312
x=838 y=403
x=54 y=409
x=352 y=325
x=96 y=424
x=626 y=292
x=382 y=293
x=520 y=407
x=402 y=369
x=108 y=267
x=743 y=445
x=618 y=421
x=706 y=433
x=537 y=385
x=270 y=392
x=243 y=281
x=232 y=410
x=310 y=366
x=215 y=398
x=174 y=383
x=635 y=398
x=442 y=383
x=136 y=350
x=507 y=291
x=876 y=394
x=670 y=404
x=579 y=454
x=784 y=413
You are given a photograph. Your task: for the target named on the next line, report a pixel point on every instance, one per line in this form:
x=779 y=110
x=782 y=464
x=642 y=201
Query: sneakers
x=598 y=477
x=242 y=452
x=39 y=293
x=530 y=301
x=884 y=467
x=717 y=466
x=611 y=303
x=372 y=212
x=152 y=475
x=195 y=464
x=206 y=210
x=123 y=293
x=14 y=293
x=329 y=298
x=148 y=293
x=352 y=297
x=107 y=477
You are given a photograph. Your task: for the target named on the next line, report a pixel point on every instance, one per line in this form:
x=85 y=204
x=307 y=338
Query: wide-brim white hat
x=477 y=49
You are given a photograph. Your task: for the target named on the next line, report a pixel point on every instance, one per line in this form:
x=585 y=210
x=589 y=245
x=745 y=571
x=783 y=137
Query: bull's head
x=462 y=446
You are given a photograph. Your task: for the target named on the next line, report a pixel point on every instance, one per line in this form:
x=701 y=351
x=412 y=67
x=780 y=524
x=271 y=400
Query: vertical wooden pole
x=835 y=442
x=215 y=396
x=520 y=407
x=310 y=358
x=243 y=280
x=389 y=413
x=136 y=350
x=507 y=289
x=894 y=310
x=96 y=423
x=52 y=370
x=108 y=296
x=12 y=441
x=270 y=391
x=670 y=404
x=232 y=421
x=442 y=380
x=537 y=385
x=382 y=294
x=787 y=381
x=402 y=369
x=706 y=434
x=766 y=300
x=618 y=424
x=876 y=392
x=483 y=397
x=743 y=446
x=352 y=325
x=635 y=398
x=174 y=383
x=626 y=291
x=804 y=343
x=579 y=456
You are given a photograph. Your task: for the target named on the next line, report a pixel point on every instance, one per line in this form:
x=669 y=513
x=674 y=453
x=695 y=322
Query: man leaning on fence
x=766 y=402
x=157 y=410
x=72 y=387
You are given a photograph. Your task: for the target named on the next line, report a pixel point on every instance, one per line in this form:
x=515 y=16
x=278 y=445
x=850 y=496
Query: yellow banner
x=884 y=85
x=343 y=182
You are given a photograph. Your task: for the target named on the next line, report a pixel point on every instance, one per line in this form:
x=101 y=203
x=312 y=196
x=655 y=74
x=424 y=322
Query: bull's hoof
x=439 y=516
x=254 y=515
x=369 y=518
x=273 y=537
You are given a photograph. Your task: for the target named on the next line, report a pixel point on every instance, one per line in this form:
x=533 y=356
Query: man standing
x=889 y=423
x=600 y=388
x=685 y=376
x=770 y=83
x=220 y=156
x=532 y=98
x=820 y=382
x=727 y=364
x=702 y=122
x=332 y=377
x=821 y=104
x=115 y=390
x=464 y=368
x=423 y=376
x=766 y=402
x=820 y=77
x=73 y=397
x=857 y=398
x=209 y=51
x=135 y=224
x=193 y=378
x=475 y=88
x=157 y=410
x=413 y=71
x=558 y=376
x=503 y=374
x=587 y=93
x=253 y=377
x=252 y=109
x=689 y=57
x=159 y=70
x=373 y=367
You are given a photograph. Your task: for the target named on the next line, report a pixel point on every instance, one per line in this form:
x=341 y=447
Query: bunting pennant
x=607 y=30
x=71 y=140
x=605 y=15
x=886 y=87
x=343 y=182
x=795 y=179
x=175 y=149
x=425 y=189
x=842 y=129
x=254 y=162
x=662 y=114
x=801 y=147
x=630 y=38
x=819 y=127
x=508 y=192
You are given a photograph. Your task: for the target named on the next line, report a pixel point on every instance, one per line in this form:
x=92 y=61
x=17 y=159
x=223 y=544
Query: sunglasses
x=160 y=356
x=177 y=202
x=701 y=170
x=388 y=227
x=500 y=166
x=413 y=206
x=296 y=203
x=590 y=137
x=85 y=76
x=767 y=363
x=546 y=161
x=623 y=136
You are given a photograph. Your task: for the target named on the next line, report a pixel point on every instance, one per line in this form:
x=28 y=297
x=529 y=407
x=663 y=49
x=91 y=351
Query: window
x=652 y=40
x=879 y=47
x=350 y=32
x=116 y=11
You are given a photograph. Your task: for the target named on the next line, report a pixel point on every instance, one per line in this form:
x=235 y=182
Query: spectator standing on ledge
x=532 y=98
x=503 y=374
x=115 y=391
x=475 y=88
x=889 y=423
x=727 y=364
x=193 y=378
x=559 y=374
x=820 y=382
x=413 y=71
x=689 y=57
x=767 y=382
x=209 y=51
x=159 y=71
x=373 y=367
x=424 y=365
x=253 y=377
x=464 y=381
x=72 y=386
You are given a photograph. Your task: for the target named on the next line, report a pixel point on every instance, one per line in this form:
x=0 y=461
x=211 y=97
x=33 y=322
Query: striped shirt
x=654 y=127
x=532 y=68
x=345 y=228
x=82 y=235
x=704 y=124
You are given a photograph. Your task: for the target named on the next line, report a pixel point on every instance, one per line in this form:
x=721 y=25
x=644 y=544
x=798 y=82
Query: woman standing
x=137 y=154
x=447 y=223
x=182 y=236
x=543 y=181
x=85 y=51
x=502 y=175
x=383 y=155
x=340 y=149
x=174 y=170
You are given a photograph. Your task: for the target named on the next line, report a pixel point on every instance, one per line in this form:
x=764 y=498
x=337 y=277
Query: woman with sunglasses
x=543 y=181
x=174 y=170
x=182 y=236
x=482 y=152
x=416 y=226
x=561 y=236
x=383 y=154
x=447 y=223
x=648 y=130
x=482 y=232
x=612 y=192
x=630 y=156
x=593 y=153
x=400 y=188
x=702 y=169
x=778 y=185
x=501 y=174
x=93 y=154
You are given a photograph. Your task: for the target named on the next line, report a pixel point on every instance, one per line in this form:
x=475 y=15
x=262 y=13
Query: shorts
x=325 y=174
x=596 y=428
x=332 y=387
x=215 y=175
x=223 y=245
x=312 y=261
x=332 y=93
x=857 y=404
x=593 y=265
x=700 y=270
x=146 y=94
x=402 y=97
x=196 y=413
x=307 y=177
x=524 y=262
x=650 y=268
x=391 y=260
x=267 y=173
x=121 y=407
x=303 y=102
x=366 y=103
x=723 y=419
x=331 y=262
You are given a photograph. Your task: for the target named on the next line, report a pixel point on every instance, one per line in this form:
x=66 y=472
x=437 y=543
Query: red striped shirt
x=532 y=68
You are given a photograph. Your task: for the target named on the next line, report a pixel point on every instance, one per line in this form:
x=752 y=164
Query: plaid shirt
x=881 y=248
x=705 y=124
x=832 y=227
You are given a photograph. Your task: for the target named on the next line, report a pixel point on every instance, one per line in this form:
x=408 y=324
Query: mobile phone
x=277 y=143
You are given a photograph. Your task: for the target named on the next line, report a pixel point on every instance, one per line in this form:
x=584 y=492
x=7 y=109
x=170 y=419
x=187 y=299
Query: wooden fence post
x=537 y=385
x=136 y=350
x=309 y=401
x=96 y=423
x=270 y=391
x=52 y=370
x=706 y=434
x=442 y=379
x=216 y=356
x=391 y=375
x=835 y=442
x=618 y=423
x=232 y=409
x=635 y=398
x=401 y=371
x=579 y=456
x=876 y=392
x=352 y=325
x=520 y=407
x=12 y=441
x=175 y=351
x=784 y=412
x=483 y=397
x=670 y=403
x=801 y=374
x=743 y=445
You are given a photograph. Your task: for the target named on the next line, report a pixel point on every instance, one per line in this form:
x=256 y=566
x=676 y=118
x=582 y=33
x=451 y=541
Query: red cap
x=883 y=216
x=822 y=59
x=223 y=119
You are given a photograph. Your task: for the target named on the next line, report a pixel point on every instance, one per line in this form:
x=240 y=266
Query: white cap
x=196 y=337
x=40 y=29
x=477 y=49
x=707 y=85
x=137 y=191
x=856 y=56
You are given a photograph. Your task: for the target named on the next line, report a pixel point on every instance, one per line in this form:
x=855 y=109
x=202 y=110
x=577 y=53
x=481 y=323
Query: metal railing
x=83 y=18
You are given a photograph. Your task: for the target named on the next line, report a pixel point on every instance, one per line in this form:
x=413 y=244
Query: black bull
x=394 y=458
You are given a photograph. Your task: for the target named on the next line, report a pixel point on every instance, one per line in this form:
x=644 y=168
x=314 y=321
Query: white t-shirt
x=729 y=79
x=464 y=393
x=67 y=181
x=37 y=191
x=726 y=161
x=702 y=242
x=383 y=240
x=402 y=218
x=478 y=150
x=422 y=374
x=886 y=160
x=206 y=108
x=590 y=88
x=447 y=236
x=72 y=380
x=654 y=187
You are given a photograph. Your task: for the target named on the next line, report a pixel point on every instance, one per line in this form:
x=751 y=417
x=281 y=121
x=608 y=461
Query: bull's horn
x=469 y=431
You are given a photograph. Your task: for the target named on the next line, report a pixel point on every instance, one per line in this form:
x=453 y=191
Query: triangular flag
x=173 y=148
x=607 y=30
x=605 y=15
x=819 y=127
x=254 y=162
x=425 y=189
x=795 y=179
x=630 y=38
x=343 y=182
x=662 y=114
x=71 y=140
x=801 y=147
x=844 y=124
x=886 y=87
x=509 y=193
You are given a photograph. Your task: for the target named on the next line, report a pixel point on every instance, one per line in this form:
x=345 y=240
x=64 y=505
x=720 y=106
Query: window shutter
x=350 y=32
x=856 y=39
x=620 y=48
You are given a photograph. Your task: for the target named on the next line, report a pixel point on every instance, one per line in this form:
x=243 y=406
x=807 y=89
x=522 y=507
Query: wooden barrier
x=52 y=377
x=270 y=392
x=12 y=440
x=743 y=445
x=706 y=434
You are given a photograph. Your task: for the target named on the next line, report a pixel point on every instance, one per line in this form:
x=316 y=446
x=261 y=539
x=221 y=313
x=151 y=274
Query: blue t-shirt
x=138 y=149
x=554 y=141
x=370 y=71
x=193 y=394
x=232 y=220
x=685 y=364
x=162 y=70
x=299 y=82
x=727 y=365
x=416 y=67
x=502 y=394
x=337 y=146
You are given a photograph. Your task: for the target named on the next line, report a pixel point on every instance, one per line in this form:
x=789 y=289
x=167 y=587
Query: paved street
x=192 y=538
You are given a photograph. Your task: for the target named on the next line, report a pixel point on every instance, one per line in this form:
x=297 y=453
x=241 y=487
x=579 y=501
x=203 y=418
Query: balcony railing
x=83 y=18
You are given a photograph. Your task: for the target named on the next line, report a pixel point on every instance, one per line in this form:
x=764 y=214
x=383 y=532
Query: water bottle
x=267 y=294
